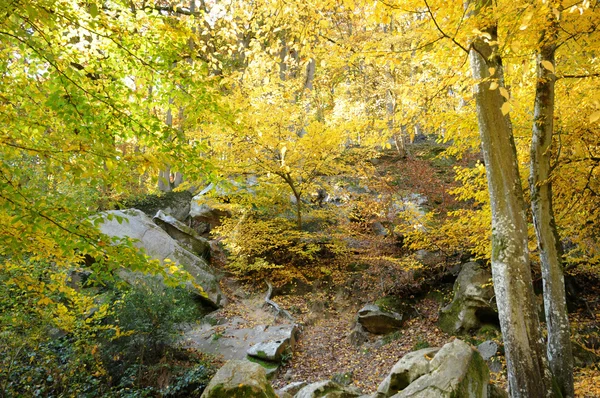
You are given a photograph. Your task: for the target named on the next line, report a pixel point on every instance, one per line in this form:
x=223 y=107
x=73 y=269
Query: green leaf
x=93 y=10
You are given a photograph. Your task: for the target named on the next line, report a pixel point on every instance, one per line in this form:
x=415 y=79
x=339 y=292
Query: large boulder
x=183 y=234
x=472 y=305
x=327 y=389
x=412 y=366
x=159 y=245
x=176 y=204
x=456 y=371
x=239 y=379
x=376 y=320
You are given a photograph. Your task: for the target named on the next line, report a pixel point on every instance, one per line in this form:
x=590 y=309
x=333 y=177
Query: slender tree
x=557 y=321
x=527 y=368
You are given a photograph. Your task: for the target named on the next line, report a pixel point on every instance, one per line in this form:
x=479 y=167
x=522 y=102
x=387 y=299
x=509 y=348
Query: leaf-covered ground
x=326 y=307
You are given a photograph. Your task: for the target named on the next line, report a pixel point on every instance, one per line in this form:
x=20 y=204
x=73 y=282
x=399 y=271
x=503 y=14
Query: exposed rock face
x=183 y=234
x=456 y=371
x=412 y=366
x=487 y=349
x=292 y=388
x=327 y=389
x=159 y=245
x=472 y=305
x=377 y=321
x=273 y=350
x=239 y=379
x=204 y=217
x=176 y=204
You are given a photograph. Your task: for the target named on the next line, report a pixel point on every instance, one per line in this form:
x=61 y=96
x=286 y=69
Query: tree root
x=274 y=304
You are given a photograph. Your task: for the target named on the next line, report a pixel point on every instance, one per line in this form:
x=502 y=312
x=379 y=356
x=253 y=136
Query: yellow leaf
x=594 y=117
x=504 y=92
x=505 y=108
x=493 y=86
x=44 y=301
x=526 y=20
x=548 y=65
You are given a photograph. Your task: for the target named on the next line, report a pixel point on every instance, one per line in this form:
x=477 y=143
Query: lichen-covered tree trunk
x=559 y=350
x=527 y=368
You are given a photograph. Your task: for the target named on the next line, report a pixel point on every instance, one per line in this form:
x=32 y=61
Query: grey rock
x=456 y=370
x=157 y=244
x=327 y=389
x=412 y=366
x=273 y=350
x=239 y=379
x=487 y=349
x=377 y=321
x=234 y=341
x=472 y=302
x=293 y=388
x=183 y=234
x=358 y=336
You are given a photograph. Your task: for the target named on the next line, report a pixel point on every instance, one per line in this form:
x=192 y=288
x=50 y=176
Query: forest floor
x=326 y=318
x=326 y=307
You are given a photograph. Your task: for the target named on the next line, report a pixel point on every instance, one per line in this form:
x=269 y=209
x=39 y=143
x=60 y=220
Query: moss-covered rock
x=408 y=369
x=472 y=304
x=239 y=379
x=455 y=371
x=270 y=368
x=177 y=204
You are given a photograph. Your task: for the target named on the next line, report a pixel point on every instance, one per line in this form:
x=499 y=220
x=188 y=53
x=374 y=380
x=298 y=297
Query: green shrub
x=147 y=316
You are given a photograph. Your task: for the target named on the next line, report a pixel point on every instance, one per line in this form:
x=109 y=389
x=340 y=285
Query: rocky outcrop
x=239 y=379
x=412 y=366
x=274 y=349
x=456 y=370
x=378 y=321
x=183 y=234
x=488 y=350
x=159 y=245
x=472 y=305
x=204 y=217
x=292 y=388
x=265 y=345
x=176 y=204
x=327 y=389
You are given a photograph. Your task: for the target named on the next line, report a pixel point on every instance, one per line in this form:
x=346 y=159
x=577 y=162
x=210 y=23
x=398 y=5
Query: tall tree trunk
x=559 y=337
x=164 y=175
x=527 y=368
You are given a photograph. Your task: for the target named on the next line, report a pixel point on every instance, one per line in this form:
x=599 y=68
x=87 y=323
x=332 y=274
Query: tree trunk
x=164 y=175
x=559 y=337
x=298 y=213
x=528 y=373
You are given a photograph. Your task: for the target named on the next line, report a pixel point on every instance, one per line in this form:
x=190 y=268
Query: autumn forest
x=300 y=199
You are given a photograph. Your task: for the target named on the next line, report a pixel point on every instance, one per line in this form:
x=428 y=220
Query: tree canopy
x=104 y=102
